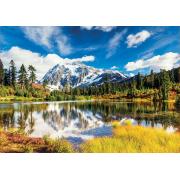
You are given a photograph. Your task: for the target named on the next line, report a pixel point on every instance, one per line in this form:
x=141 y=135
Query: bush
x=58 y=145
x=19 y=92
x=47 y=139
x=27 y=149
x=6 y=91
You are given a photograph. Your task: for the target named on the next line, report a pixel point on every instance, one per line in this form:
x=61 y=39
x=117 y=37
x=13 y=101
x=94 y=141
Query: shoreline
x=17 y=99
x=125 y=139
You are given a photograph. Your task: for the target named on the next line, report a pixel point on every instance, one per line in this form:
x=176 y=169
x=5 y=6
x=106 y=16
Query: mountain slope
x=77 y=74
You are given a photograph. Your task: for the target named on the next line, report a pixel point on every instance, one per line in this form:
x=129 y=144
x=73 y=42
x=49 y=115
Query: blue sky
x=128 y=49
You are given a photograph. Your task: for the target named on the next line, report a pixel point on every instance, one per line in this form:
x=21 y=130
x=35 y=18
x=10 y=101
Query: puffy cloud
x=166 y=61
x=134 y=39
x=114 y=67
x=49 y=36
x=114 y=42
x=84 y=59
x=101 y=28
x=41 y=63
x=105 y=28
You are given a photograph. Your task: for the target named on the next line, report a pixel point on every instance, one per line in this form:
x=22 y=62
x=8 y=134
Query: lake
x=81 y=120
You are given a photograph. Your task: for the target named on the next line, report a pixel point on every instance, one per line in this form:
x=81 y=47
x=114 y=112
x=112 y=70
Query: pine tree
x=1 y=73
x=12 y=73
x=171 y=74
x=157 y=81
x=32 y=75
x=132 y=89
x=152 y=79
x=177 y=75
x=6 y=80
x=165 y=84
x=139 y=81
x=22 y=78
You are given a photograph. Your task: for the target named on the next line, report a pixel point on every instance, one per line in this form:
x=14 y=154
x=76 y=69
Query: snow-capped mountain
x=77 y=74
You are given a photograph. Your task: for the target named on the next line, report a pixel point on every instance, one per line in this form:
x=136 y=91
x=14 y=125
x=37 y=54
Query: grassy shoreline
x=10 y=99
x=125 y=139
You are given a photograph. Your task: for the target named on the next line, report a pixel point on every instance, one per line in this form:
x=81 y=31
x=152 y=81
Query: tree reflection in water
x=83 y=119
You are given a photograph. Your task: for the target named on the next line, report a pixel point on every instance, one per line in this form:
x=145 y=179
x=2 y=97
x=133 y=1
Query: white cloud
x=166 y=61
x=101 y=28
x=64 y=45
x=84 y=59
x=87 y=27
x=134 y=39
x=105 y=28
x=40 y=35
x=114 y=67
x=114 y=42
x=41 y=63
x=147 y=55
x=49 y=36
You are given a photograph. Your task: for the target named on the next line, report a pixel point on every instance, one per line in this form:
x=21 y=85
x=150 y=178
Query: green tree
x=152 y=79
x=12 y=73
x=165 y=84
x=1 y=73
x=172 y=76
x=132 y=89
x=22 y=78
x=32 y=75
x=6 y=79
x=139 y=81
x=176 y=75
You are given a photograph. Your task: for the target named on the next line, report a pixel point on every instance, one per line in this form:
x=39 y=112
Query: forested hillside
x=161 y=86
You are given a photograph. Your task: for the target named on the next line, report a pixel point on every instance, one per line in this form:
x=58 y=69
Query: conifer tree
x=6 y=80
x=22 y=78
x=1 y=73
x=139 y=81
x=165 y=84
x=152 y=79
x=32 y=75
x=12 y=73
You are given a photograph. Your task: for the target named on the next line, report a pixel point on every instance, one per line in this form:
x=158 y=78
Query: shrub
x=6 y=91
x=46 y=139
x=27 y=149
x=19 y=92
x=58 y=145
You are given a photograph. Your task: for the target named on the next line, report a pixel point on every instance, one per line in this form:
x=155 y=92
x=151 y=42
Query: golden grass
x=58 y=145
x=8 y=99
x=125 y=139
x=134 y=139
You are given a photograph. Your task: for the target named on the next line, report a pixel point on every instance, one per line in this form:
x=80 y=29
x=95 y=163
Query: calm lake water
x=82 y=120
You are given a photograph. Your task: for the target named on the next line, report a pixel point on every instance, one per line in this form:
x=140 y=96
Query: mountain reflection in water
x=83 y=120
